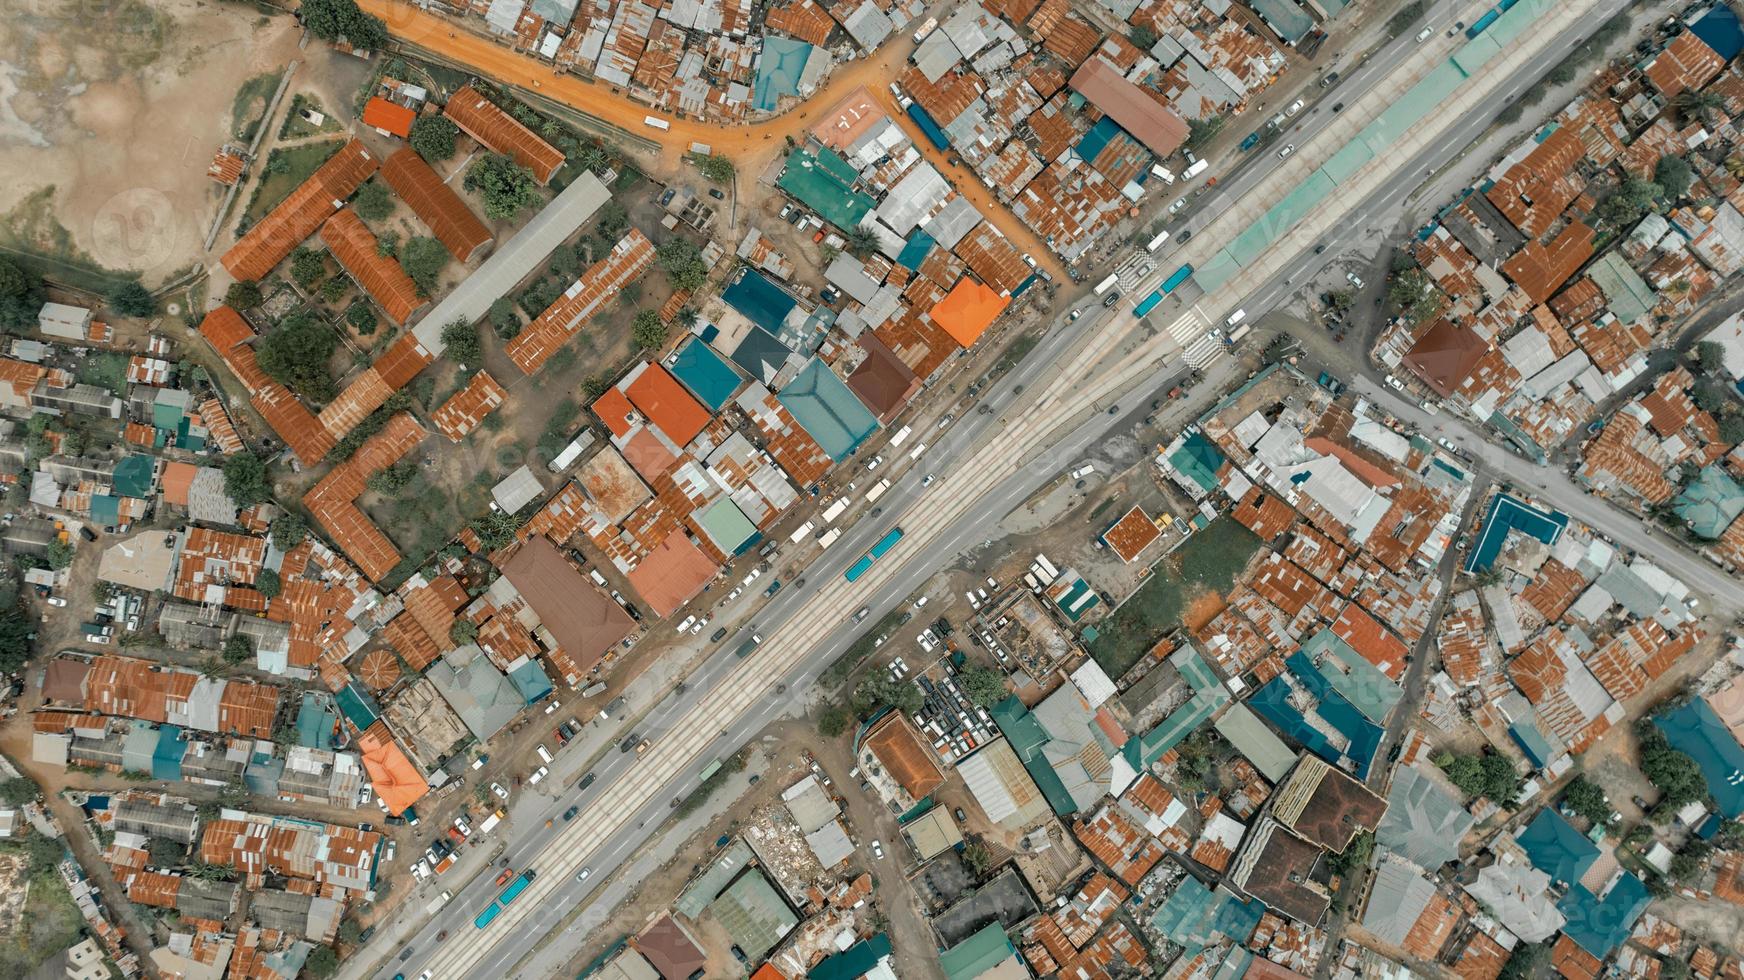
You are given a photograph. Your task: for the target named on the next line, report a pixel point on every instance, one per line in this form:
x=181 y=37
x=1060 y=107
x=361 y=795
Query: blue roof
x=915 y=250
x=1506 y=514
x=1532 y=742
x=778 y=70
x=826 y=408
x=1092 y=143
x=166 y=761
x=1710 y=502
x=1290 y=21
x=316 y=720
x=1718 y=29
x=1199 y=459
x=531 y=680
x=708 y=376
x=854 y=962
x=1272 y=702
x=1556 y=848
x=360 y=709
x=105 y=509
x=924 y=120
x=1698 y=732
x=761 y=301
x=1600 y=926
x=1195 y=917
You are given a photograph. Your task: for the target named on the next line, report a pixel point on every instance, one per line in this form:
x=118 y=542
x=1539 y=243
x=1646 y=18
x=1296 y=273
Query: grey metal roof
x=200 y=899
x=1424 y=823
x=849 y=274
x=517 y=490
x=919 y=191
x=958 y=218
x=936 y=55
x=172 y=819
x=1399 y=895
x=831 y=844
x=868 y=25
x=480 y=694
x=207 y=501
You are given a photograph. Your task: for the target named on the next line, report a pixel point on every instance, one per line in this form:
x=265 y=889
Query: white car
x=1293 y=108
x=878 y=850
x=583 y=874
x=498 y=791
x=1353 y=279
x=421 y=870
x=1447 y=444
x=553 y=706
x=1030 y=261
x=872 y=463
x=694 y=630
x=1176 y=207
x=461 y=825
x=1288 y=149
x=926 y=481
x=689 y=621
x=538 y=774
x=55 y=600
x=922 y=601
x=1395 y=383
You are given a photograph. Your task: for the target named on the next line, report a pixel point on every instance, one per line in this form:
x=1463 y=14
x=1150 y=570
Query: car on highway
x=570 y=813
x=1293 y=108
x=498 y=791
x=718 y=635
x=583 y=874
x=628 y=743
x=503 y=878
x=1176 y=207
x=1288 y=149
x=1423 y=35
x=861 y=613
x=642 y=746
x=585 y=781
x=926 y=481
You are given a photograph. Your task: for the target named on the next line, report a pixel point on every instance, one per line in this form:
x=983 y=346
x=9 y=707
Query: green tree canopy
x=463 y=631
x=984 y=686
x=503 y=318
x=424 y=258
x=1676 y=775
x=1674 y=175
x=296 y=353
x=880 y=690
x=245 y=479
x=860 y=242
x=288 y=530
x=434 y=137
x=132 y=299
x=648 y=331
x=307 y=266
x=462 y=344
x=714 y=166
x=18 y=791
x=362 y=318
x=60 y=554
x=332 y=20
x=1710 y=357
x=507 y=187
x=15 y=636
x=243 y=294
x=267 y=583
x=372 y=202
x=238 y=649
x=20 y=296
x=1584 y=797
x=1203 y=131
x=683 y=263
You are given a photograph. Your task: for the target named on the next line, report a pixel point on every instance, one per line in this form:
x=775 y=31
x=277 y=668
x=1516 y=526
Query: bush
x=507 y=187
x=132 y=299
x=461 y=341
x=288 y=530
x=503 y=318
x=245 y=479
x=463 y=631
x=17 y=791
x=307 y=266
x=60 y=554
x=267 y=583
x=714 y=166
x=983 y=685
x=683 y=263
x=362 y=318
x=296 y=353
x=238 y=649
x=372 y=202
x=833 y=720
x=244 y=294
x=424 y=258
x=648 y=330
x=433 y=137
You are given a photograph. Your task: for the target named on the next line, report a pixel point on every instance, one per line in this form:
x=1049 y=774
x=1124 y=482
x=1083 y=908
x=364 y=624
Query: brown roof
x=1325 y=806
x=603 y=280
x=1141 y=114
x=64 y=680
x=585 y=621
x=670 y=949
x=436 y=204
x=484 y=121
x=882 y=381
x=1132 y=534
x=463 y=411
x=1445 y=354
x=1540 y=270
x=904 y=756
x=226 y=331
x=356 y=248
x=1687 y=62
x=992 y=257
x=297 y=216
x=332 y=501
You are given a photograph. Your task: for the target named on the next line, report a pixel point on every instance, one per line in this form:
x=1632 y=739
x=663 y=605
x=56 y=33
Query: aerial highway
x=1072 y=386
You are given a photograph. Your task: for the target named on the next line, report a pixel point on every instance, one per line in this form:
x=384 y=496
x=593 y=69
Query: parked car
x=55 y=600
x=498 y=791
x=878 y=850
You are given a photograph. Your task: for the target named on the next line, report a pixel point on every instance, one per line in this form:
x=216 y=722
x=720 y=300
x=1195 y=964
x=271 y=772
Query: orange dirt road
x=751 y=146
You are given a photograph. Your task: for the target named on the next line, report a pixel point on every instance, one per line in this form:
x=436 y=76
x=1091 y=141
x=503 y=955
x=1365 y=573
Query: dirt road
x=751 y=146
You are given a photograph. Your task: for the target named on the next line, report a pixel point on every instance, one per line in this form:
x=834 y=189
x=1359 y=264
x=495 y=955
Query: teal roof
x=820 y=179
x=1195 y=917
x=531 y=680
x=1698 y=732
x=134 y=476
x=1556 y=848
x=1198 y=459
x=1208 y=695
x=359 y=707
x=778 y=70
x=1597 y=925
x=827 y=410
x=1361 y=682
x=726 y=525
x=105 y=509
x=854 y=962
x=978 y=954
x=166 y=416
x=1710 y=503
x=166 y=759
x=1028 y=739
x=1626 y=293
x=316 y=718
x=753 y=914
x=708 y=376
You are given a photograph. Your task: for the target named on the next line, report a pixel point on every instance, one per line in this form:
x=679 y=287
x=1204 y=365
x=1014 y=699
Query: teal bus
x=876 y=552
x=1177 y=279
x=514 y=889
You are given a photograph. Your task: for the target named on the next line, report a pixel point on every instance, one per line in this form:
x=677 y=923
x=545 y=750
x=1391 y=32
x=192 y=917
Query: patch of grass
x=1210 y=560
x=49 y=923
x=1018 y=350
x=851 y=658
x=296 y=127
x=105 y=370
x=249 y=107
x=298 y=162
x=697 y=797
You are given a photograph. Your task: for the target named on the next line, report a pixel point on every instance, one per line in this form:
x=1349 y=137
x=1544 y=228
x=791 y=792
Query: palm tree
x=861 y=241
x=1697 y=105
x=686 y=317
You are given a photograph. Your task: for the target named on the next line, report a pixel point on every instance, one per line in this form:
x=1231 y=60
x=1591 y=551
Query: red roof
x=672 y=574
x=466 y=408
x=297 y=216
x=665 y=404
x=379 y=113
x=226 y=331
x=614 y=410
x=436 y=204
x=332 y=501
x=355 y=246
x=1142 y=114
x=484 y=121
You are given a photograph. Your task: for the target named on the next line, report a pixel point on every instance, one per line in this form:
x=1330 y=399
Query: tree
x=288 y=530
x=648 y=330
x=334 y=288
x=1629 y=201
x=166 y=853
x=350 y=932
x=424 y=258
x=433 y=137
x=1203 y=131
x=463 y=631
x=1710 y=357
x=244 y=294
x=1355 y=855
x=1584 y=797
x=372 y=202
x=267 y=583
x=238 y=649
x=1711 y=394
x=460 y=338
x=18 y=791
x=1732 y=428
x=1673 y=175
x=613 y=221
x=880 y=690
x=860 y=242
x=307 y=266
x=296 y=353
x=1501 y=781
x=60 y=554
x=1463 y=771
x=321 y=963
x=503 y=318
x=1142 y=36
x=833 y=720
x=245 y=479
x=590 y=156
x=333 y=20
x=1676 y=775
x=1697 y=104
x=507 y=187
x=495 y=529
x=714 y=166
x=977 y=859
x=1687 y=863
x=20 y=297
x=362 y=318
x=984 y=686
x=683 y=263
x=16 y=634
x=1523 y=961
x=132 y=299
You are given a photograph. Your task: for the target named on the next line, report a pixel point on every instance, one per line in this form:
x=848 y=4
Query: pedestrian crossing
x=1204 y=352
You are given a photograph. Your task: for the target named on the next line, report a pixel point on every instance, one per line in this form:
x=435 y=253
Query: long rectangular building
x=382 y=276
x=437 y=205
x=485 y=121
x=299 y=215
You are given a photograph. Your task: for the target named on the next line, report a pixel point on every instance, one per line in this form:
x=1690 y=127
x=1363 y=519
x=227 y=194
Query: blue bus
x=502 y=901
x=859 y=568
x=1177 y=279
x=1148 y=304
x=876 y=552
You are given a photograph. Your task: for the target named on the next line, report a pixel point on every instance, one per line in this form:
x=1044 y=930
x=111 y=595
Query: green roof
x=1628 y=296
x=978 y=954
x=1361 y=682
x=820 y=179
x=726 y=525
x=1208 y=696
x=754 y=914
x=1027 y=739
x=1710 y=503
x=133 y=476
x=1198 y=460
x=854 y=962
x=828 y=411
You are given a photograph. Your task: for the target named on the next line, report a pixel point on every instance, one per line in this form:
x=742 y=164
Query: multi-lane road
x=1060 y=399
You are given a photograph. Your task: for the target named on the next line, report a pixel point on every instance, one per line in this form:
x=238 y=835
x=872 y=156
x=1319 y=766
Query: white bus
x=901 y=435
x=656 y=122
x=1106 y=284
x=491 y=821
x=799 y=535
x=1157 y=242
x=1047 y=566
x=829 y=537
x=931 y=24
x=834 y=510
x=877 y=491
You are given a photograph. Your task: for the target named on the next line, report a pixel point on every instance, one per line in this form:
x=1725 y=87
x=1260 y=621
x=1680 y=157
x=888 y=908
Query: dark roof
x=882 y=381
x=584 y=621
x=1445 y=354
x=1332 y=806
x=668 y=948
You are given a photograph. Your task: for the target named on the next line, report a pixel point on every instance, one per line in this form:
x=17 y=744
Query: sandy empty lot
x=110 y=111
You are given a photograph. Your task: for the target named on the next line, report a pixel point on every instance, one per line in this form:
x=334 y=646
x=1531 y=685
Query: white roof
x=517 y=490
x=1093 y=682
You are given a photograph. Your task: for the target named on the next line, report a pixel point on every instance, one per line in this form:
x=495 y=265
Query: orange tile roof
x=371 y=389
x=1541 y=269
x=1132 y=534
x=297 y=216
x=436 y=204
x=358 y=252
x=552 y=328
x=178 y=478
x=226 y=330
x=466 y=408
x=332 y=501
x=665 y=404
x=904 y=756
x=1371 y=639
x=483 y=120
x=226 y=167
x=672 y=573
x=968 y=310
x=397 y=781
x=379 y=113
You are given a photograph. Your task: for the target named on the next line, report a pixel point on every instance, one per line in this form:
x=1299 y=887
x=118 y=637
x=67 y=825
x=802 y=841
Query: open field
x=1202 y=569
x=107 y=131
